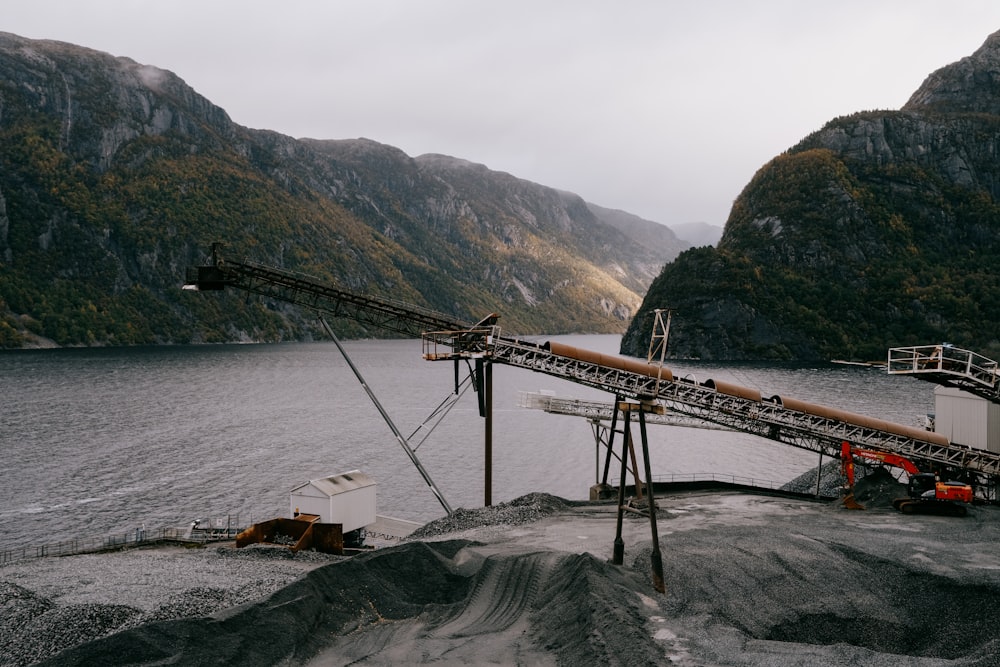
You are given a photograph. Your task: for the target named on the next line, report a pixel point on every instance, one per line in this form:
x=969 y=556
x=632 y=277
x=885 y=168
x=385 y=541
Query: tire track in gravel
x=494 y=621
x=506 y=588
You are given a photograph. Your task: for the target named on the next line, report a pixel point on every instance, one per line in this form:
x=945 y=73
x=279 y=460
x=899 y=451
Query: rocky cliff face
x=114 y=176
x=101 y=103
x=876 y=231
x=523 y=219
x=971 y=85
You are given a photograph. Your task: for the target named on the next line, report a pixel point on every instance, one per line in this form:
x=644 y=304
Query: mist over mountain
x=116 y=176
x=880 y=229
x=697 y=234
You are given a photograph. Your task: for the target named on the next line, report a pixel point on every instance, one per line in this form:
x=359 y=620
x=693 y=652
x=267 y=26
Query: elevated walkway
x=599 y=411
x=948 y=366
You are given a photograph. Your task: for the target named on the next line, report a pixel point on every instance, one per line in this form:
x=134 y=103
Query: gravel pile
x=420 y=602
x=525 y=509
x=878 y=488
x=49 y=604
x=830 y=482
x=873 y=483
x=752 y=580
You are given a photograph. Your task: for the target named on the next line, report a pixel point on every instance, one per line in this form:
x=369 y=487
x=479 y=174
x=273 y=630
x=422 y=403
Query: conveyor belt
x=772 y=419
x=309 y=293
x=603 y=411
x=803 y=425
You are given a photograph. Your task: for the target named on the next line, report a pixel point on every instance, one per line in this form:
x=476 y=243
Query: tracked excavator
x=926 y=493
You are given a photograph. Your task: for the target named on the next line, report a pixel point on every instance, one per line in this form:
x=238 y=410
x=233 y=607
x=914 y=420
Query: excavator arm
x=894 y=460
x=847 y=464
x=847 y=454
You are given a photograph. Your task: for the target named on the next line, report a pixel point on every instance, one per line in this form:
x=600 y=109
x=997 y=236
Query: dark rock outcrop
x=876 y=231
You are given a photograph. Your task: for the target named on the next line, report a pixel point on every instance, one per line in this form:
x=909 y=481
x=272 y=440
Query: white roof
x=335 y=484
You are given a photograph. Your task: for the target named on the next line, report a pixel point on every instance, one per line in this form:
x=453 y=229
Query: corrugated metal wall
x=966 y=419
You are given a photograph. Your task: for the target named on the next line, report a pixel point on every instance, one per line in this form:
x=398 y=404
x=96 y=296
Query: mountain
x=698 y=234
x=881 y=229
x=649 y=234
x=116 y=176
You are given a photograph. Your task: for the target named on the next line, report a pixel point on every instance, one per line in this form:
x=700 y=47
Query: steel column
x=618 y=556
x=656 y=559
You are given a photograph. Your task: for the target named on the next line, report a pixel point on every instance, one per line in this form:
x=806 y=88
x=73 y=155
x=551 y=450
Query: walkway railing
x=215 y=530
x=946 y=364
x=678 y=478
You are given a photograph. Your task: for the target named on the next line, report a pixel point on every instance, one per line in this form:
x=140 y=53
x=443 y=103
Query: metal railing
x=681 y=478
x=215 y=530
x=943 y=359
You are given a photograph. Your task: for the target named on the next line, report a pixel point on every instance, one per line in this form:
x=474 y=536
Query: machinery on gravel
x=927 y=494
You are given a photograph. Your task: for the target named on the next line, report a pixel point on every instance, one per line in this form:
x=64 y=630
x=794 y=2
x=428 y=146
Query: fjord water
x=102 y=441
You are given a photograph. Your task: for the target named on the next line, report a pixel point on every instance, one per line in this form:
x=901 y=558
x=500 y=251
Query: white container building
x=966 y=419
x=347 y=499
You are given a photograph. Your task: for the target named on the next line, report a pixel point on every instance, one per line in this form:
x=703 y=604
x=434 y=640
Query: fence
x=713 y=477
x=202 y=532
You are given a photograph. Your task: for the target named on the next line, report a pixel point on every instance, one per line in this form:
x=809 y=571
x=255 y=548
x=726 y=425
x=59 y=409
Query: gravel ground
x=49 y=604
x=760 y=581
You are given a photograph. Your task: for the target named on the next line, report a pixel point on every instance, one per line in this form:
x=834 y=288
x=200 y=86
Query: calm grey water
x=100 y=441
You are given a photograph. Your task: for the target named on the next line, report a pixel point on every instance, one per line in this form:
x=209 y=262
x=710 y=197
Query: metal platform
x=602 y=411
x=949 y=366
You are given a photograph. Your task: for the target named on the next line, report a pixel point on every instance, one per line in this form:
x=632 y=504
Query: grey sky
x=664 y=109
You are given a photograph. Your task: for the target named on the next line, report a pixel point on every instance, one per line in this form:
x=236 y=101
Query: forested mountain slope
x=115 y=176
x=881 y=229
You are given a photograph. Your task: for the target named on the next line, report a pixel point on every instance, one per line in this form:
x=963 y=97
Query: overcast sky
x=661 y=108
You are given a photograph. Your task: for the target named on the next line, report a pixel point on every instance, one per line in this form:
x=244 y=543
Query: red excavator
x=927 y=494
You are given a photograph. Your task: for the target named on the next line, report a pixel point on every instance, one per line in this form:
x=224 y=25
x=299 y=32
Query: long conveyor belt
x=782 y=419
x=805 y=425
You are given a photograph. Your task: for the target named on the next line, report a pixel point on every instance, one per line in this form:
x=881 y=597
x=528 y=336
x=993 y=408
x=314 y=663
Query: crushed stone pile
x=878 y=488
x=525 y=608
x=752 y=580
x=526 y=509
x=40 y=615
x=874 y=485
x=831 y=481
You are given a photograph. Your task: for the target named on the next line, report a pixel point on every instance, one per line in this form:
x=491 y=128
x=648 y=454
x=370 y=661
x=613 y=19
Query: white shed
x=347 y=499
x=966 y=419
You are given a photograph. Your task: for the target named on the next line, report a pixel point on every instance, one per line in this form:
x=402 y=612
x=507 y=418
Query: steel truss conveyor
x=796 y=423
x=307 y=292
x=598 y=411
x=790 y=421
